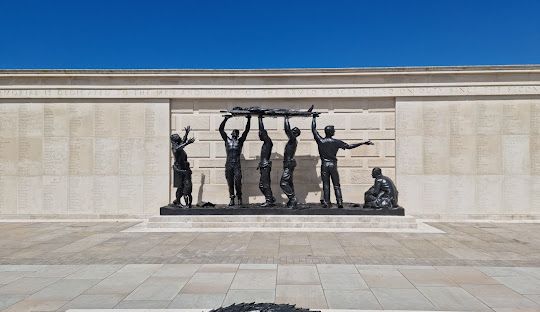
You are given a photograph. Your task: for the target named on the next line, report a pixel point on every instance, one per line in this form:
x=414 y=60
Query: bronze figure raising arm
x=316 y=134
x=287 y=127
x=187 y=130
x=222 y=128
x=246 y=130
x=262 y=132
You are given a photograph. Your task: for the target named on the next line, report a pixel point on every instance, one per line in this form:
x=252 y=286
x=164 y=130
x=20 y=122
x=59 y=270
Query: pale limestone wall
x=475 y=155
x=83 y=157
x=467 y=140
x=354 y=119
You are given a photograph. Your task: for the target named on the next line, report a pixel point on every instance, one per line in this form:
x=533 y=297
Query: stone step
x=283 y=221
x=283 y=218
x=277 y=225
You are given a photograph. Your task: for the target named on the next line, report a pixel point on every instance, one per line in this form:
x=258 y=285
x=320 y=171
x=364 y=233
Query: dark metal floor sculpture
x=261 y=307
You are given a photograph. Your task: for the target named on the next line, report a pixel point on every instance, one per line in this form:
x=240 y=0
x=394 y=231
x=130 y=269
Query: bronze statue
x=233 y=147
x=289 y=163
x=182 y=171
x=272 y=112
x=383 y=194
x=328 y=148
x=265 y=166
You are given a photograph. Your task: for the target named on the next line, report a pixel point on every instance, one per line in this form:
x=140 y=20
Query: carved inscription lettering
x=277 y=93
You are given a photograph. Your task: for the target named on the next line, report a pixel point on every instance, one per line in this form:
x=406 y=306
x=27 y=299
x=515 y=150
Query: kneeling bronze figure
x=383 y=194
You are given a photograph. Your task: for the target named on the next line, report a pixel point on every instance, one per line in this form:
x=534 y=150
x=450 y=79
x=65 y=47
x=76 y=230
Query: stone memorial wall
x=83 y=157
x=458 y=141
x=469 y=156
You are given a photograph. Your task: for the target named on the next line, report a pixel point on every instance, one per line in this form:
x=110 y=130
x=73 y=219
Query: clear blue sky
x=266 y=34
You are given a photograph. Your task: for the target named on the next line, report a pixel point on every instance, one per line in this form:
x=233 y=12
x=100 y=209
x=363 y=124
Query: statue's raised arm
x=246 y=130
x=263 y=134
x=222 y=128
x=287 y=127
x=186 y=132
x=316 y=134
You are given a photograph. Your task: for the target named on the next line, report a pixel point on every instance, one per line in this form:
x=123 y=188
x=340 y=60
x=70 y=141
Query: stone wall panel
x=55 y=194
x=516 y=117
x=480 y=155
x=9 y=120
x=64 y=157
x=8 y=194
x=105 y=194
x=9 y=156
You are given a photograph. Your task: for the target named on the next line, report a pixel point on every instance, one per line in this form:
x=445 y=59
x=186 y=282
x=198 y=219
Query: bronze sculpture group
x=382 y=195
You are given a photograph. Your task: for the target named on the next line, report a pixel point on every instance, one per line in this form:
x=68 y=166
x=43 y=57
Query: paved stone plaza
x=471 y=267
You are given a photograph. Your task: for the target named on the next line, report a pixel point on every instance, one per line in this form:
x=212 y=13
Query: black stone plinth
x=303 y=209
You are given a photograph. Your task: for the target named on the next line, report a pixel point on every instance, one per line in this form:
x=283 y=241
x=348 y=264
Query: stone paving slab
x=461 y=244
x=335 y=286
x=376 y=270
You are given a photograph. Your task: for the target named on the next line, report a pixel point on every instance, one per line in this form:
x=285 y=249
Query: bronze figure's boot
x=339 y=197
x=188 y=199
x=270 y=202
x=231 y=203
x=325 y=204
x=292 y=203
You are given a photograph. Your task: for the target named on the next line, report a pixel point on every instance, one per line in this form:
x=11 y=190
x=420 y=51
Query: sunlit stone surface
x=456 y=140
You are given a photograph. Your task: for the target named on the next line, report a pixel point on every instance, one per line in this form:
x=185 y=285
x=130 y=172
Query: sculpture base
x=302 y=209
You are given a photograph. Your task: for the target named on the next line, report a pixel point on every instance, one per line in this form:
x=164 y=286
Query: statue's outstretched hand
x=187 y=129
x=368 y=143
x=191 y=140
